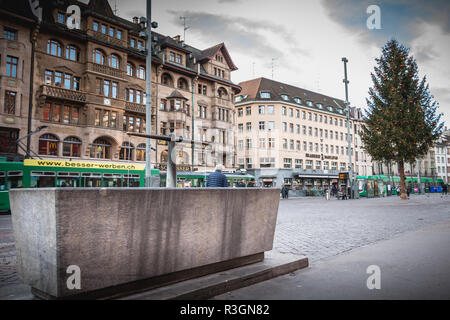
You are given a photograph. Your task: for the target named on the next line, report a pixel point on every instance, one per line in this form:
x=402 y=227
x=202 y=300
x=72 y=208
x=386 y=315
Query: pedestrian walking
x=408 y=191
x=217 y=179
x=444 y=189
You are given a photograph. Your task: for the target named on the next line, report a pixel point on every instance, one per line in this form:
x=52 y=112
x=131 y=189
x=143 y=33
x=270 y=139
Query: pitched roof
x=208 y=54
x=102 y=7
x=252 y=89
x=176 y=94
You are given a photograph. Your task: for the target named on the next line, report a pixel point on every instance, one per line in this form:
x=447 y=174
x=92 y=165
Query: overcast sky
x=309 y=38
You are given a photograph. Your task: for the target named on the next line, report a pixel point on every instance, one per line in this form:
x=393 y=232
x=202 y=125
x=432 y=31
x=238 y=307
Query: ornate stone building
x=89 y=87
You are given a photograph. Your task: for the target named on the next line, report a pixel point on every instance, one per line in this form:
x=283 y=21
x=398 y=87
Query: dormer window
x=265 y=95
x=319 y=105
x=298 y=100
x=309 y=103
x=330 y=108
x=285 y=97
x=240 y=98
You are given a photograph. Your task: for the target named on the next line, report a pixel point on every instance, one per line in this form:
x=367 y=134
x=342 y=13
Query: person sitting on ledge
x=217 y=179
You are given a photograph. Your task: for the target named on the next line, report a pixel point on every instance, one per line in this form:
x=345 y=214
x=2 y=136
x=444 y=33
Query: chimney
x=177 y=38
x=135 y=20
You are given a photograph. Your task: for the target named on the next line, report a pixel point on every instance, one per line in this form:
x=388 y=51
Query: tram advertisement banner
x=82 y=165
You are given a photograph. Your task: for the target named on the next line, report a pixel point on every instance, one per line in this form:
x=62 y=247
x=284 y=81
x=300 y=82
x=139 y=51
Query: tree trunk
x=401 y=168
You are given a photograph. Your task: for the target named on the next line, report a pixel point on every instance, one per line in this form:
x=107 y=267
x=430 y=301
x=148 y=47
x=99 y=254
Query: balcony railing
x=216 y=101
x=135 y=107
x=61 y=93
x=100 y=68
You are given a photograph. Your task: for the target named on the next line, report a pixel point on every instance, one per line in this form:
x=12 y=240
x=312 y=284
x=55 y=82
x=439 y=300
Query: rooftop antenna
x=115 y=7
x=184 y=28
x=273 y=60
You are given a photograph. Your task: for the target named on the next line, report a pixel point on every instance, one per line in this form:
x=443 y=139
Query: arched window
x=166 y=80
x=72 y=147
x=114 y=61
x=182 y=84
x=48 y=145
x=98 y=56
x=54 y=48
x=101 y=149
x=164 y=156
x=131 y=69
x=72 y=53
x=140 y=152
x=141 y=72
x=126 y=152
x=222 y=93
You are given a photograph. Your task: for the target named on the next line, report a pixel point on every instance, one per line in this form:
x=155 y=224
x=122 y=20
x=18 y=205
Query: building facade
x=292 y=136
x=15 y=62
x=89 y=88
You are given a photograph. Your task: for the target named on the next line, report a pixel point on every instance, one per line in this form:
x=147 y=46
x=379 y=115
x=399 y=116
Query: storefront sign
x=81 y=165
x=180 y=167
x=331 y=157
x=316 y=156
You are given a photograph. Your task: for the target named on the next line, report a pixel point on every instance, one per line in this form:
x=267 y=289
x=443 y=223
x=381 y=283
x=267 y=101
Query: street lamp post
x=146 y=22
x=349 y=140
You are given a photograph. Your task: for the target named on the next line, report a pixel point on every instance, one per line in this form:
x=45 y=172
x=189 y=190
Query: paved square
x=312 y=227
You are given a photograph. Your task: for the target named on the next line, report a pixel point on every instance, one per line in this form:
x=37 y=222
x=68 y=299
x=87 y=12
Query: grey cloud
x=398 y=17
x=241 y=34
x=228 y=1
x=424 y=54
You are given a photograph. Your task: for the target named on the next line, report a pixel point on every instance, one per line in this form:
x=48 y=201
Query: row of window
x=175 y=57
x=293 y=145
x=56 y=112
x=287 y=163
x=55 y=48
x=284 y=111
x=61 y=79
x=49 y=145
x=136 y=72
x=309 y=103
x=107 y=30
x=219 y=72
x=322 y=133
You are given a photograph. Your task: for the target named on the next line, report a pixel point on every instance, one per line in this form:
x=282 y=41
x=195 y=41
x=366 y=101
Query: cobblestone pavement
x=310 y=226
x=8 y=275
x=320 y=229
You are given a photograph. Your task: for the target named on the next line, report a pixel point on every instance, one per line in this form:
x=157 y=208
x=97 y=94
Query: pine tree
x=401 y=122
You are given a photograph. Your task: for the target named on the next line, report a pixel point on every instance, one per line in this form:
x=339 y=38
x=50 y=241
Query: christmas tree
x=401 y=122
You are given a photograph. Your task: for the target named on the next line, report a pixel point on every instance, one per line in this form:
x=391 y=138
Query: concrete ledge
x=209 y=286
x=118 y=236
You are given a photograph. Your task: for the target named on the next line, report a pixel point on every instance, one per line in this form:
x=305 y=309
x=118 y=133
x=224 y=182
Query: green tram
x=52 y=173
x=198 y=179
x=377 y=186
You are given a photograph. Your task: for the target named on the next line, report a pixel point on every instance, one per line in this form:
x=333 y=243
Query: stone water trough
x=125 y=240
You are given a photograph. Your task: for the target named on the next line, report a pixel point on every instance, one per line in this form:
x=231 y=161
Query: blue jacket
x=217 y=179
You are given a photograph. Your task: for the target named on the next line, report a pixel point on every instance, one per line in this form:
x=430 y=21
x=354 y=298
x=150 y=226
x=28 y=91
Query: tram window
x=91 y=180
x=15 y=179
x=112 y=180
x=42 y=179
x=2 y=180
x=68 y=180
x=131 y=180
